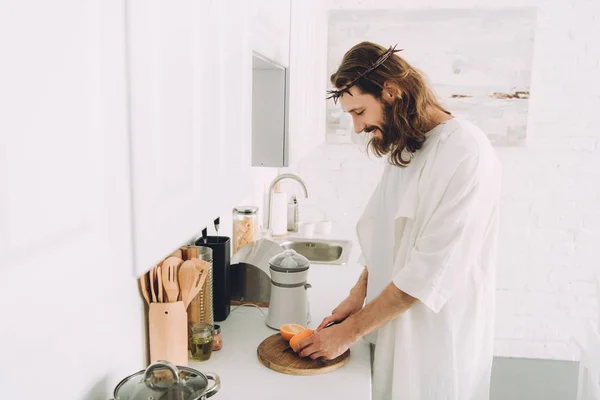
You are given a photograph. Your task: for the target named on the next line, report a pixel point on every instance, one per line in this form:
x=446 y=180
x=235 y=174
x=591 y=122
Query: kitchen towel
x=279 y=214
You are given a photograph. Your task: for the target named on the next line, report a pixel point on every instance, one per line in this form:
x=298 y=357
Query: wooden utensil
x=177 y=253
x=144 y=288
x=152 y=280
x=201 y=267
x=190 y=251
x=158 y=273
x=187 y=274
x=274 y=353
x=169 y=277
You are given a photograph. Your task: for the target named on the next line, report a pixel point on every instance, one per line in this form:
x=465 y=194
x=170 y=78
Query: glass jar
x=217 y=338
x=245 y=226
x=201 y=342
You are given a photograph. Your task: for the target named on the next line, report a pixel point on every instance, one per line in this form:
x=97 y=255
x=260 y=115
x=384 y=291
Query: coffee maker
x=288 y=302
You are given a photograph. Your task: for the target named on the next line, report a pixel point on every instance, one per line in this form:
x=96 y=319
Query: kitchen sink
x=320 y=251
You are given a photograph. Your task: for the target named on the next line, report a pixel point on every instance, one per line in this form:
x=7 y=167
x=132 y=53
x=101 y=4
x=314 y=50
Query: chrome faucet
x=272 y=185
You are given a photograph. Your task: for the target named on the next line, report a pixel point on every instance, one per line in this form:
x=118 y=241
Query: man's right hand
x=351 y=305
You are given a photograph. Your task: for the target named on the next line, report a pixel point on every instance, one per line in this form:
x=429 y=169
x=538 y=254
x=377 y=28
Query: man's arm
x=360 y=289
x=384 y=308
x=335 y=340
x=352 y=304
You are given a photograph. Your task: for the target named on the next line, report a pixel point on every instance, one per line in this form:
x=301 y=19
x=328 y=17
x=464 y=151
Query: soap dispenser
x=292 y=214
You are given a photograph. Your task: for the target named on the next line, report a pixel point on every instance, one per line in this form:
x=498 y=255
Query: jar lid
x=289 y=261
x=202 y=330
x=246 y=210
x=217 y=329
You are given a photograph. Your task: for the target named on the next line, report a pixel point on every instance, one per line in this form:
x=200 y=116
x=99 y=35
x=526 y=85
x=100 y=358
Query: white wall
x=551 y=198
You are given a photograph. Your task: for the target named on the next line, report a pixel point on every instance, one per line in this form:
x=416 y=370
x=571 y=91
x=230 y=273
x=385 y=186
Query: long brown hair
x=405 y=119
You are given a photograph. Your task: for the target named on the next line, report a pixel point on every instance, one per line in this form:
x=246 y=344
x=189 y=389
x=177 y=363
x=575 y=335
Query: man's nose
x=359 y=126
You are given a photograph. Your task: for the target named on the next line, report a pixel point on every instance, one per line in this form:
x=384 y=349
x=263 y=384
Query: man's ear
x=390 y=92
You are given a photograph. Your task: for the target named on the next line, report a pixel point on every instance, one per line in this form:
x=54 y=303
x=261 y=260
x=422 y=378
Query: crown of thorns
x=336 y=94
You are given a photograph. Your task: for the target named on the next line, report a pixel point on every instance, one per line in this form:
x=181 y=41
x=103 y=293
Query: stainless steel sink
x=320 y=251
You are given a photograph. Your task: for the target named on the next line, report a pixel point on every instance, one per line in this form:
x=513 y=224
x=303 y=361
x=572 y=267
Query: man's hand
x=351 y=305
x=327 y=343
x=333 y=341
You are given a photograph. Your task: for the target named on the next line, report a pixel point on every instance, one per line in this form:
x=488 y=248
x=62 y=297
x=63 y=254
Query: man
x=428 y=237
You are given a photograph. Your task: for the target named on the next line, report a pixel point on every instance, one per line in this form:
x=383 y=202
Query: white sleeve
x=365 y=225
x=444 y=249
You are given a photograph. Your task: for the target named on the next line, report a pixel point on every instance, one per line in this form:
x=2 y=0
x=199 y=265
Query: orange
x=298 y=337
x=289 y=330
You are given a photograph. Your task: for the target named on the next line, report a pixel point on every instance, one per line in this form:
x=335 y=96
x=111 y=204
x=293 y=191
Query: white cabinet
x=64 y=197
x=234 y=88
x=271 y=29
x=308 y=77
x=190 y=101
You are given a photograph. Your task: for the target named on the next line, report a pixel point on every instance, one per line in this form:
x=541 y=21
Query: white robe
x=431 y=229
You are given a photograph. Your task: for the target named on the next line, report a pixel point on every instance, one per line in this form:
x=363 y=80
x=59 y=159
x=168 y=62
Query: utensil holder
x=167 y=333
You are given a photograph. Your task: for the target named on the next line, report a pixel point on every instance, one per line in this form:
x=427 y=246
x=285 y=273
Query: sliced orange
x=289 y=330
x=298 y=337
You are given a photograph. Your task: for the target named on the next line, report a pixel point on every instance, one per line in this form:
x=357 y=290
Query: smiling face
x=367 y=112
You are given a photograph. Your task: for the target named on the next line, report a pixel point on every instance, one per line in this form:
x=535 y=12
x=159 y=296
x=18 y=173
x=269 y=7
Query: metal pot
x=164 y=381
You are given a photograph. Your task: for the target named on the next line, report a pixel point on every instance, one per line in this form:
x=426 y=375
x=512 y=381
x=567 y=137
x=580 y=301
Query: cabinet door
x=169 y=177
x=271 y=29
x=223 y=94
x=235 y=105
x=190 y=81
x=308 y=77
x=64 y=198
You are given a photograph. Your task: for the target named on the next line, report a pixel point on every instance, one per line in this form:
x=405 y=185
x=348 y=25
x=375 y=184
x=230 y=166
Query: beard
x=389 y=131
x=399 y=137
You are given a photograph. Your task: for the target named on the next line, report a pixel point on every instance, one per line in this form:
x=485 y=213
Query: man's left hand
x=328 y=343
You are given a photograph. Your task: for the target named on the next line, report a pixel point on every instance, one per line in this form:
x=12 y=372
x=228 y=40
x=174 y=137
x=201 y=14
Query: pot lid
x=162 y=380
x=289 y=261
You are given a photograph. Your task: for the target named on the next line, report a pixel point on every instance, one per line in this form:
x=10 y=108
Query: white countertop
x=243 y=376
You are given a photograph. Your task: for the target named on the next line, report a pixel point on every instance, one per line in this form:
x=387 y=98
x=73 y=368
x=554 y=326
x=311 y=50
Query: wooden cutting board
x=274 y=352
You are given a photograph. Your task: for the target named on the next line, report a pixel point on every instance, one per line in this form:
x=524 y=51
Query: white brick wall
x=550 y=233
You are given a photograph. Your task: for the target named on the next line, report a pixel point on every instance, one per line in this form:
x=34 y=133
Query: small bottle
x=217 y=338
x=292 y=215
x=201 y=342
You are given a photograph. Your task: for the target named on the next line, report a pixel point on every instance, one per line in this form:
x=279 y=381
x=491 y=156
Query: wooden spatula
x=169 y=277
x=200 y=273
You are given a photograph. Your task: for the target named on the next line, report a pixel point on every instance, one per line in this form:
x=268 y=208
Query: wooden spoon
x=177 y=253
x=169 y=277
x=152 y=279
x=158 y=273
x=144 y=288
